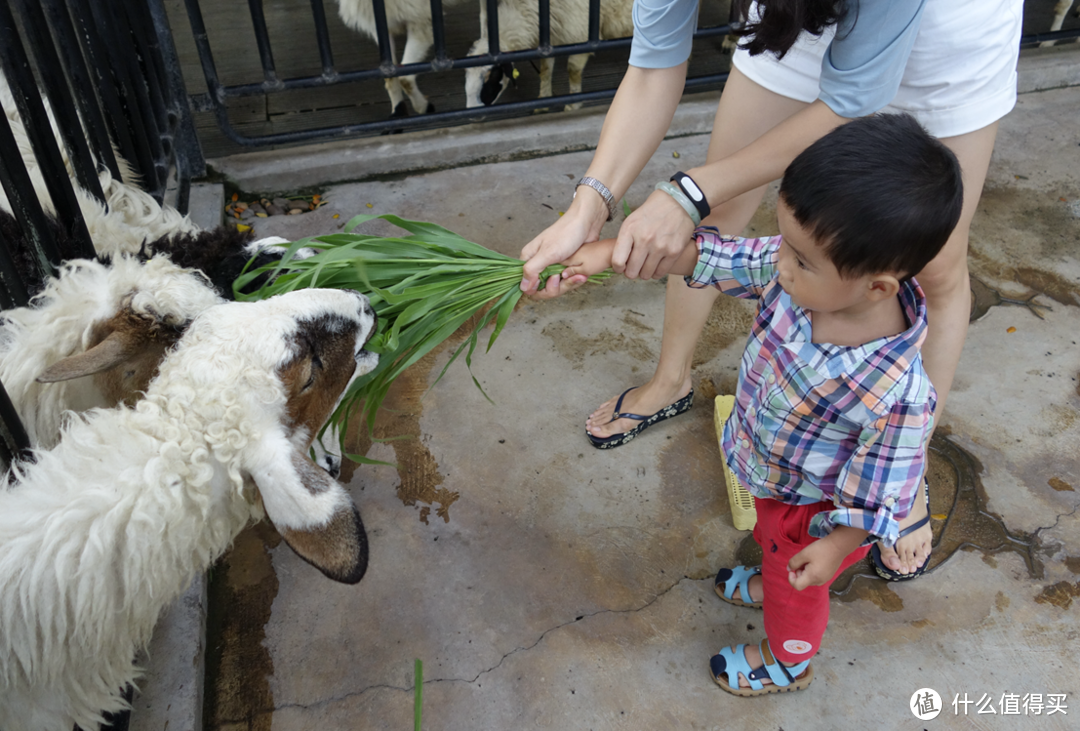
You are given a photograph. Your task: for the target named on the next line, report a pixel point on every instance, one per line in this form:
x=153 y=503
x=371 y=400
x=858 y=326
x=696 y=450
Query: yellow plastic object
x=743 y=513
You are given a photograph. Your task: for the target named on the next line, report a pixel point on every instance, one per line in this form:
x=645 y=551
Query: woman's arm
x=635 y=125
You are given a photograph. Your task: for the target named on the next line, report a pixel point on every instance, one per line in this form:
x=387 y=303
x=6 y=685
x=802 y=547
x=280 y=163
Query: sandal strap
x=925 y=488
x=740 y=579
x=779 y=673
x=618 y=409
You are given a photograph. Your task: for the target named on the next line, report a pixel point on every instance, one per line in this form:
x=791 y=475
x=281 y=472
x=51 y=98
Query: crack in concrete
x=412 y=688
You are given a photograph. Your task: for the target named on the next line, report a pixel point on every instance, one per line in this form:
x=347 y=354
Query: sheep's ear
x=313 y=513
x=110 y=352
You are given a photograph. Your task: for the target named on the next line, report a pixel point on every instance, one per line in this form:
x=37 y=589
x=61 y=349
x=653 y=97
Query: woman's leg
x=746 y=111
x=948 y=299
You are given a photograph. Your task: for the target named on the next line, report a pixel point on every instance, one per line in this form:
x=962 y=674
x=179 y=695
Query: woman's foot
x=647 y=399
x=912 y=550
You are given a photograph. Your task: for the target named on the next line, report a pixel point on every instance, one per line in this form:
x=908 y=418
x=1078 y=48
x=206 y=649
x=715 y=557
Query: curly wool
x=58 y=323
x=165 y=503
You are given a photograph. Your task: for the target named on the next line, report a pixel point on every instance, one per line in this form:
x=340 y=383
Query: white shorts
x=960 y=76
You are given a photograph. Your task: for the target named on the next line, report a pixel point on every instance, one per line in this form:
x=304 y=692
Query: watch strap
x=694 y=193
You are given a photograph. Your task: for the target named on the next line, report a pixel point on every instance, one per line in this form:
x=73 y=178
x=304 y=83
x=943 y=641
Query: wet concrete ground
x=548 y=584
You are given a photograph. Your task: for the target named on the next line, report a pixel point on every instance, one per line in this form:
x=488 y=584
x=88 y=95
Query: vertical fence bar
x=322 y=37
x=35 y=121
x=19 y=448
x=97 y=60
x=81 y=85
x=189 y=157
x=382 y=35
x=52 y=79
x=115 y=34
x=493 y=26
x=438 y=31
x=262 y=39
x=545 y=25
x=12 y=288
x=594 y=21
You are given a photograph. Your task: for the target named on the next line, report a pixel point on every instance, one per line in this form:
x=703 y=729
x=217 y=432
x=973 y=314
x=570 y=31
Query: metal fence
x=273 y=83
x=106 y=75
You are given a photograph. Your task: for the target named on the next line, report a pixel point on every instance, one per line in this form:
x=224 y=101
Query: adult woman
x=809 y=66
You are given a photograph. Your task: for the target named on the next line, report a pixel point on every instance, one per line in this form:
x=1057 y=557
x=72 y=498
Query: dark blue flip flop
x=884 y=571
x=617 y=440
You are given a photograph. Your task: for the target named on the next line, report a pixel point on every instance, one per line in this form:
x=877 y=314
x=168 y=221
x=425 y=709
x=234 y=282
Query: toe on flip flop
x=617 y=440
x=731 y=662
x=879 y=565
x=728 y=580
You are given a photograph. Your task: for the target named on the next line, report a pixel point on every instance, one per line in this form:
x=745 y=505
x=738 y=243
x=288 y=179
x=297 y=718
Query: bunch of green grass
x=424 y=287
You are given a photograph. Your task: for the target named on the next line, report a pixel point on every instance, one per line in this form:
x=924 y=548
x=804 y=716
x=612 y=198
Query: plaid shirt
x=815 y=421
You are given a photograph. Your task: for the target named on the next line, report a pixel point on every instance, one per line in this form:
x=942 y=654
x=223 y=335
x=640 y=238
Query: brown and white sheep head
x=284 y=364
x=123 y=353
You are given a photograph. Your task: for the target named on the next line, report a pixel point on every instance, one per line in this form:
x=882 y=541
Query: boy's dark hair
x=878 y=193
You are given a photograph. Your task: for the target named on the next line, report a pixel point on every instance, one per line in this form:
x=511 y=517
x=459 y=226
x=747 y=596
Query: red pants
x=794 y=620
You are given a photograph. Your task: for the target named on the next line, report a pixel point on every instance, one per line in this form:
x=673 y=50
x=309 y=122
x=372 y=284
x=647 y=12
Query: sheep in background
x=411 y=17
x=1060 y=11
x=519 y=29
x=124 y=316
x=110 y=526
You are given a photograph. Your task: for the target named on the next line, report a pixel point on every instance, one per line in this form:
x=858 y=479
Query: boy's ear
x=882 y=287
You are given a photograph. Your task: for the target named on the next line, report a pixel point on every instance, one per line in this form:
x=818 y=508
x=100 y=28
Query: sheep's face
x=311 y=342
x=485 y=84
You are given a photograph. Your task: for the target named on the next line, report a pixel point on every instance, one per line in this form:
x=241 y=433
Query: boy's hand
x=592 y=258
x=816 y=564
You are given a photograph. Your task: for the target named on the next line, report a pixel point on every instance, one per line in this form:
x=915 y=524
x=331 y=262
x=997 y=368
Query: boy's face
x=806 y=273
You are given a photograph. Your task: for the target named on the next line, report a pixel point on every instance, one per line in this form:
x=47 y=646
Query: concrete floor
x=547 y=584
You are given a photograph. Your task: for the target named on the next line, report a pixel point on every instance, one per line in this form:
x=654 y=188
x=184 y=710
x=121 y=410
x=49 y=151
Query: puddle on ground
x=959 y=519
x=238 y=664
x=399 y=420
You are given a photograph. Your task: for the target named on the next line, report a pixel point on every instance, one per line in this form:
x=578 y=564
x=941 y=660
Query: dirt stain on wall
x=242 y=589
x=1060 y=485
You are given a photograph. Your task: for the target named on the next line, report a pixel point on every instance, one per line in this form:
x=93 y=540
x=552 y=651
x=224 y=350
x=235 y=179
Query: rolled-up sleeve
x=878 y=484
x=864 y=64
x=736 y=266
x=663 y=32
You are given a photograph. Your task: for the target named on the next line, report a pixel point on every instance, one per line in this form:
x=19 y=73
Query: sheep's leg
x=1060 y=11
x=393 y=89
x=417 y=45
x=575 y=67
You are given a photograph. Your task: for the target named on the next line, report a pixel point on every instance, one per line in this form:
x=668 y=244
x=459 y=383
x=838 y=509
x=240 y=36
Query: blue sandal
x=728 y=580
x=731 y=662
x=617 y=440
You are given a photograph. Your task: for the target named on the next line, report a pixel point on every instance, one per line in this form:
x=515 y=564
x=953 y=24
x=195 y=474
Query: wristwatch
x=602 y=190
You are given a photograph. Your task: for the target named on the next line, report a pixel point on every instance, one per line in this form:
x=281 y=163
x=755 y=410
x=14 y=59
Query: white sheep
x=110 y=526
x=411 y=17
x=1060 y=11
x=128 y=218
x=519 y=29
x=124 y=315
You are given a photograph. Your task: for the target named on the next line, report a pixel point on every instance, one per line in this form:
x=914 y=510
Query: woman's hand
x=652 y=238
x=558 y=242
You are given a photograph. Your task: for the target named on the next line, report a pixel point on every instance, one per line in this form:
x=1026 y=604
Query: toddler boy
x=833 y=408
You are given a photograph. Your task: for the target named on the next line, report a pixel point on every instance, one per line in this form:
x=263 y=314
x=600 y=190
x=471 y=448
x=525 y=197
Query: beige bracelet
x=680 y=198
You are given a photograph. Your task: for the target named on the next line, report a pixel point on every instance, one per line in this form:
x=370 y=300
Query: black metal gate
x=274 y=83
x=106 y=74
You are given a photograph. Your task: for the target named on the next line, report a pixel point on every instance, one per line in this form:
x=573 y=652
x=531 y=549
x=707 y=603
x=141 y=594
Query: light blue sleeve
x=663 y=32
x=864 y=64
